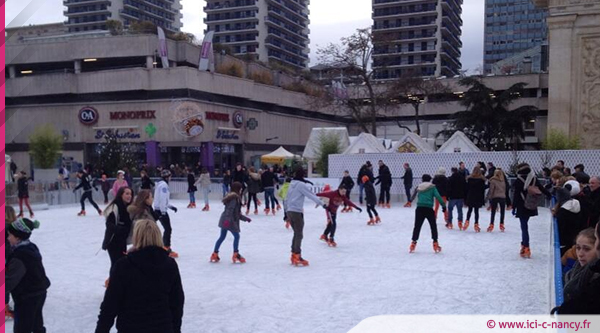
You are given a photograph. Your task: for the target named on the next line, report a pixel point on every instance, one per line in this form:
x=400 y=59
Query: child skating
x=427 y=193
x=230 y=221
x=371 y=200
x=348 y=184
x=336 y=198
x=283 y=191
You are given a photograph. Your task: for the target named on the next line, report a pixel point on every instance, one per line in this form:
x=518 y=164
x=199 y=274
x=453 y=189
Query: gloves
x=173 y=208
x=444 y=209
x=324 y=206
x=359 y=209
x=249 y=220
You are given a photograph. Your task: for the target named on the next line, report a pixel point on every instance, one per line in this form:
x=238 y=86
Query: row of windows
x=231 y=16
x=83 y=9
x=149 y=9
x=85 y=19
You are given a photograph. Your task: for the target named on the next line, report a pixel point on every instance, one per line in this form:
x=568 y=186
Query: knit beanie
x=441 y=171
x=23 y=227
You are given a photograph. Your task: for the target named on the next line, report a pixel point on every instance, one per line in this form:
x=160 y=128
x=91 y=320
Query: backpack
x=534 y=194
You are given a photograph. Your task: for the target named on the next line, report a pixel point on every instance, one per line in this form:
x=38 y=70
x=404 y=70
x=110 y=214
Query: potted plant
x=45 y=145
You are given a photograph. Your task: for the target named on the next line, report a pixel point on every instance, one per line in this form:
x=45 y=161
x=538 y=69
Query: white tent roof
x=458 y=143
x=280 y=152
x=415 y=140
x=365 y=143
x=310 y=151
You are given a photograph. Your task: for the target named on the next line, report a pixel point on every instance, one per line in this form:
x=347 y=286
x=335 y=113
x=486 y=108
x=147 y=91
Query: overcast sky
x=330 y=20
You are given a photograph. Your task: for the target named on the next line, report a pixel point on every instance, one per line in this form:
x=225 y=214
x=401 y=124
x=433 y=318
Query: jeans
x=347 y=196
x=28 y=314
x=297 y=222
x=361 y=189
x=192 y=197
x=495 y=203
x=105 y=196
x=87 y=195
x=270 y=197
x=165 y=220
x=407 y=188
x=236 y=240
x=421 y=214
x=331 y=226
x=205 y=192
x=458 y=203
x=524 y=231
x=225 y=190
x=471 y=211
x=384 y=195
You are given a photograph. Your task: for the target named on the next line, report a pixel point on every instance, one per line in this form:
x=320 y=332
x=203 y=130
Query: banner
x=207 y=62
x=339 y=89
x=162 y=48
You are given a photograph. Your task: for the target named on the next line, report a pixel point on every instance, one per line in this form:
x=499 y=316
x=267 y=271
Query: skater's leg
x=369 y=211
x=115 y=252
x=28 y=314
x=297 y=222
x=82 y=201
x=165 y=220
x=274 y=198
x=91 y=200
x=469 y=212
x=524 y=231
x=38 y=325
x=236 y=241
x=494 y=205
x=222 y=237
x=476 y=214
x=206 y=191
x=105 y=196
x=267 y=199
x=361 y=188
x=375 y=211
x=381 y=195
x=420 y=215
x=459 y=207
x=21 y=206
x=407 y=192
x=502 y=203
x=451 y=205
x=436 y=207
x=333 y=226
x=248 y=202
x=430 y=216
x=254 y=196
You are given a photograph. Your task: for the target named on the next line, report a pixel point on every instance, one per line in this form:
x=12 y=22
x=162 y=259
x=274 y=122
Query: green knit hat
x=23 y=227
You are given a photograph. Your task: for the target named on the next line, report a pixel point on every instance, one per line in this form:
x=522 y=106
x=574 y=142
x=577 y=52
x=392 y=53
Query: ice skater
x=118 y=226
x=230 y=222
x=294 y=204
x=336 y=198
x=283 y=191
x=475 y=196
x=348 y=184
x=23 y=193
x=86 y=182
x=427 y=193
x=161 y=206
x=371 y=200
x=191 y=180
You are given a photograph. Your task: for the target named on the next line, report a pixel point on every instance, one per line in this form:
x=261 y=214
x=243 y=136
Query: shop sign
x=252 y=124
x=117 y=134
x=217 y=116
x=227 y=135
x=127 y=115
x=187 y=119
x=88 y=116
x=150 y=130
x=238 y=119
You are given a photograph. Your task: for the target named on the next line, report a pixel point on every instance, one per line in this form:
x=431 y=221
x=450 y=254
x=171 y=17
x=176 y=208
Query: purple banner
x=152 y=153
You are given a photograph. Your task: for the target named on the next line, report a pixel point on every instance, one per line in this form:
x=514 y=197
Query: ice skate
x=331 y=243
x=259 y=202
x=278 y=207
x=297 y=260
x=413 y=246
x=190 y=205
x=267 y=211
x=214 y=257
x=460 y=225
x=349 y=209
x=247 y=211
x=31 y=215
x=256 y=212
x=476 y=227
x=172 y=254
x=525 y=252
x=490 y=227
x=20 y=215
x=324 y=238
x=273 y=211
x=345 y=210
x=8 y=312
x=371 y=221
x=489 y=208
x=106 y=282
x=502 y=227
x=81 y=213
x=237 y=258
x=449 y=226
x=206 y=208
x=287 y=224
x=466 y=226
x=377 y=220
x=408 y=204
x=436 y=247
x=387 y=205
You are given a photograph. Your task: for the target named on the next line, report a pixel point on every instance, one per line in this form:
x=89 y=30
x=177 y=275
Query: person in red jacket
x=336 y=199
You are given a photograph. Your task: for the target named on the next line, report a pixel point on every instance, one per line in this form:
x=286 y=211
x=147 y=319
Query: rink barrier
x=558 y=275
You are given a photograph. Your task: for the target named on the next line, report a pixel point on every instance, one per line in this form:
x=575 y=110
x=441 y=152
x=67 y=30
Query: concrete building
x=86 y=15
x=270 y=30
x=34 y=31
x=511 y=27
x=533 y=60
x=419 y=38
x=90 y=88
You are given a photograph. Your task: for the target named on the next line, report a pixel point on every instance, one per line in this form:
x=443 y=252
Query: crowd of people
x=142 y=260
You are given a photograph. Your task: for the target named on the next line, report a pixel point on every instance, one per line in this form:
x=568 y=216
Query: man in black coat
x=457 y=190
x=365 y=170
x=385 y=179
x=591 y=201
x=145 y=294
x=580 y=175
x=408 y=182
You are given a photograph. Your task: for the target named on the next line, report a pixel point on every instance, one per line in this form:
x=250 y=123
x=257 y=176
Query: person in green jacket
x=283 y=191
x=426 y=193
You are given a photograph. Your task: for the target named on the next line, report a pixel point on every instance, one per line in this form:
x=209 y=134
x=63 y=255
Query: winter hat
x=299 y=175
x=365 y=179
x=426 y=178
x=441 y=171
x=165 y=173
x=369 y=164
x=22 y=228
x=573 y=187
x=523 y=169
x=120 y=172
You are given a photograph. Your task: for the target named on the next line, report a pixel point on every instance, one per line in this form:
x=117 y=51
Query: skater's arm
x=176 y=301
x=14 y=273
x=110 y=305
x=78 y=186
x=349 y=203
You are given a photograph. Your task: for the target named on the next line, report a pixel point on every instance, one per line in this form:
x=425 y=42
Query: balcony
x=212 y=8
x=282 y=16
x=288 y=50
x=81 y=24
x=392 y=3
x=133 y=6
x=244 y=29
x=70 y=3
x=404 y=52
x=403 y=13
x=167 y=8
x=273 y=22
x=287 y=39
x=68 y=13
x=297 y=12
x=294 y=63
x=392 y=26
x=229 y=18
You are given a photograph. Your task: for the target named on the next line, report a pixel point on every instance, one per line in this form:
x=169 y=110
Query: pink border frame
x=2 y=135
